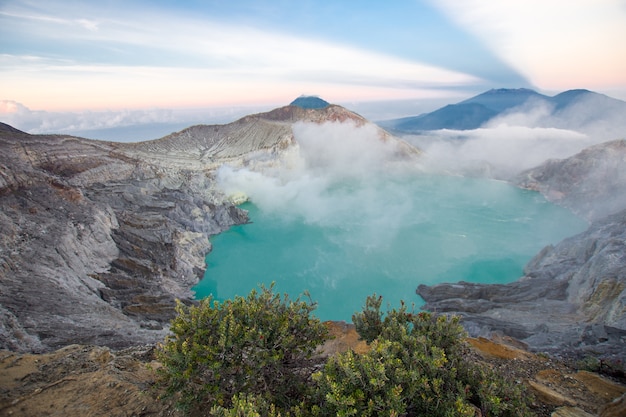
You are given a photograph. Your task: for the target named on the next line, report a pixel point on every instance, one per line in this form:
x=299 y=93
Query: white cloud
x=77 y=123
x=501 y=151
x=557 y=44
x=338 y=171
x=114 y=121
x=88 y=24
x=593 y=115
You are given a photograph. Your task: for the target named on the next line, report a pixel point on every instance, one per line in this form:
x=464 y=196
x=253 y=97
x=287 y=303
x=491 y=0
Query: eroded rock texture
x=97 y=244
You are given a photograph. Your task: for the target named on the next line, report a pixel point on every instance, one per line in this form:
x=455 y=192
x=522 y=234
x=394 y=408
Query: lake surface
x=385 y=236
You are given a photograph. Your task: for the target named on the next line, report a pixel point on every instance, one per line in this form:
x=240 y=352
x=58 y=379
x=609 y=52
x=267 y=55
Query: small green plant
x=247 y=353
x=369 y=322
x=416 y=366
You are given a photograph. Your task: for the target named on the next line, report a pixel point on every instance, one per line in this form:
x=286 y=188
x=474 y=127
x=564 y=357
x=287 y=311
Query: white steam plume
x=335 y=181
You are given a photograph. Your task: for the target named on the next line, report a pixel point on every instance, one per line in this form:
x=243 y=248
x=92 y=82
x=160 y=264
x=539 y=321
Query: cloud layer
x=117 y=125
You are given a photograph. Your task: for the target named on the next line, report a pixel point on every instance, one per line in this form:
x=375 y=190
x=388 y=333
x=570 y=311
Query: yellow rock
x=549 y=396
x=570 y=412
x=616 y=408
x=489 y=348
x=600 y=386
x=238 y=198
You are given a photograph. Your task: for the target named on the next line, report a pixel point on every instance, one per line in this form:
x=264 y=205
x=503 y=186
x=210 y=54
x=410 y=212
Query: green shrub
x=260 y=346
x=416 y=366
x=252 y=357
x=369 y=322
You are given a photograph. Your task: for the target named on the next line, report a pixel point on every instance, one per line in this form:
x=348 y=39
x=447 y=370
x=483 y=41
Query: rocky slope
x=591 y=183
x=95 y=243
x=572 y=297
x=98 y=239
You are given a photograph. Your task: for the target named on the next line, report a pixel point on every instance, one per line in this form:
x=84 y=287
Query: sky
x=110 y=62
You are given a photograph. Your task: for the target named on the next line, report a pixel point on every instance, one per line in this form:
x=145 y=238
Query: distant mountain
x=583 y=107
x=580 y=110
x=310 y=102
x=565 y=99
x=462 y=116
x=502 y=99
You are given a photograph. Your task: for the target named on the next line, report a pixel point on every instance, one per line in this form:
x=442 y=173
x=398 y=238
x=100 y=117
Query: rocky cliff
x=572 y=297
x=98 y=239
x=591 y=183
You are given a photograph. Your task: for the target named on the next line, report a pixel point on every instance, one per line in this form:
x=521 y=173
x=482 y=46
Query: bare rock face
x=572 y=297
x=95 y=246
x=250 y=141
x=591 y=183
x=99 y=239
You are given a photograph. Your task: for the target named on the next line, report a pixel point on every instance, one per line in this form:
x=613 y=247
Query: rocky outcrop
x=254 y=141
x=98 y=239
x=96 y=245
x=572 y=297
x=591 y=183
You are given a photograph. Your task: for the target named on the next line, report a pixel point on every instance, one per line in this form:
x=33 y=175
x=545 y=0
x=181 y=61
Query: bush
x=416 y=366
x=259 y=346
x=252 y=357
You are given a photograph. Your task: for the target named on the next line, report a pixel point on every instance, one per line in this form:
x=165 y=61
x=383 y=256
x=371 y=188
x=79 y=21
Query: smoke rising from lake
x=342 y=217
x=335 y=178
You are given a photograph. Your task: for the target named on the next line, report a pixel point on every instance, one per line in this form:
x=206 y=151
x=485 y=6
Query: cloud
x=594 y=115
x=33 y=121
x=144 y=57
x=500 y=152
x=557 y=44
x=124 y=124
x=339 y=176
x=89 y=24
x=239 y=48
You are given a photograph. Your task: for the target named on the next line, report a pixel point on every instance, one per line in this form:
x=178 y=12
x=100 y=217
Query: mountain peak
x=501 y=99
x=310 y=102
x=509 y=91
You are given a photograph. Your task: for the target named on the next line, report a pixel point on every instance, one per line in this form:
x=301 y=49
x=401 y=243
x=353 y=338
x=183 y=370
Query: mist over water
x=340 y=219
x=434 y=229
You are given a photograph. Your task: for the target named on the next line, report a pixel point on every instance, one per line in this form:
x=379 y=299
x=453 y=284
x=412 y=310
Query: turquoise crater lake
x=384 y=236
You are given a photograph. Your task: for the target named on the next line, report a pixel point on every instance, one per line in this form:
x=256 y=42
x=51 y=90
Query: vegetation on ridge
x=255 y=356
